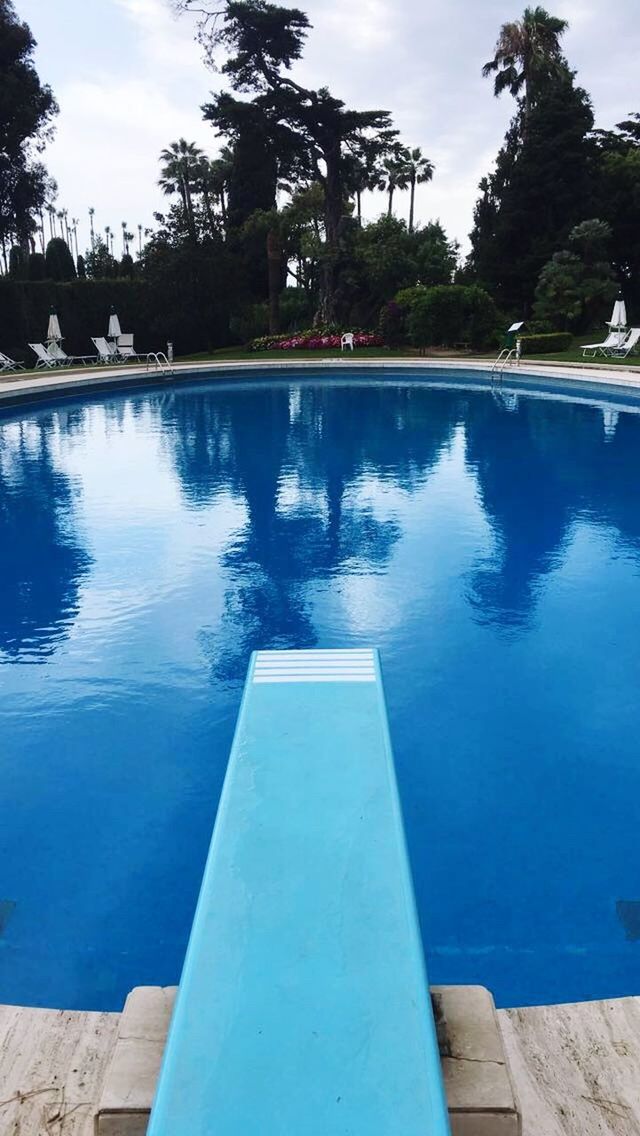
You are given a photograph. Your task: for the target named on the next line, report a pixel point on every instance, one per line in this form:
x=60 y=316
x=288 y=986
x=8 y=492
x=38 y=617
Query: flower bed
x=313 y=341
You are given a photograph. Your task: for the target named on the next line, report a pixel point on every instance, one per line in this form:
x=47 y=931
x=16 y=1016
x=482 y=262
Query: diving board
x=303 y=1007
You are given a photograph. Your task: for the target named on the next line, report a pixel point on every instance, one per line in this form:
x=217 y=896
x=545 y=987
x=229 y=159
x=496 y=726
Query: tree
x=617 y=178
x=396 y=174
x=419 y=170
x=527 y=54
x=59 y=261
x=180 y=163
x=577 y=284
x=541 y=187
x=99 y=264
x=27 y=108
x=261 y=41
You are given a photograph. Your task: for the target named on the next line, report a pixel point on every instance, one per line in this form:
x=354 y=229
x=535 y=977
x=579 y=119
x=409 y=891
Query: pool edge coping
x=19 y=389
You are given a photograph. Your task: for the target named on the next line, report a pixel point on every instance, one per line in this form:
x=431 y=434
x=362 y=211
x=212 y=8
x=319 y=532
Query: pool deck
x=67 y=381
x=576 y=1068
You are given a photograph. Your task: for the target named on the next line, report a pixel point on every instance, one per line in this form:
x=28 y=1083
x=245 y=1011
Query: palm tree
x=125 y=247
x=220 y=173
x=51 y=210
x=108 y=234
x=396 y=174
x=527 y=51
x=420 y=170
x=74 y=230
x=91 y=216
x=139 y=240
x=60 y=215
x=179 y=171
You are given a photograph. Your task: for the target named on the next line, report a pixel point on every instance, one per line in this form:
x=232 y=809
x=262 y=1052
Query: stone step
x=478 y=1084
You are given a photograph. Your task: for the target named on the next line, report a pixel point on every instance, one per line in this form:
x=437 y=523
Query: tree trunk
x=359 y=206
x=390 y=209
x=188 y=204
x=411 y=203
x=274 y=270
x=208 y=210
x=327 y=307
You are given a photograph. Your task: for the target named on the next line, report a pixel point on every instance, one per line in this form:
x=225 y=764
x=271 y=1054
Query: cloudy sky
x=129 y=79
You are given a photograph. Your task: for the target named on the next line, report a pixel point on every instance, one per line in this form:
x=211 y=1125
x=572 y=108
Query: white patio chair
x=7 y=364
x=625 y=348
x=614 y=339
x=44 y=357
x=346 y=340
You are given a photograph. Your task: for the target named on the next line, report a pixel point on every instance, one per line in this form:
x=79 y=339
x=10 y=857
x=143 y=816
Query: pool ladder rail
x=509 y=356
x=160 y=362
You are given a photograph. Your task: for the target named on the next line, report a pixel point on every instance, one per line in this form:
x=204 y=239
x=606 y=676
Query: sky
x=129 y=79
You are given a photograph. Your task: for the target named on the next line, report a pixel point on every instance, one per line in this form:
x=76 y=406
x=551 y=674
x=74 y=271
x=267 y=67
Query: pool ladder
x=508 y=356
x=160 y=362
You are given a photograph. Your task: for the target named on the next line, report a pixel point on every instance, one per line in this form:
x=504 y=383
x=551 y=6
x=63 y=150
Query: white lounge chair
x=614 y=339
x=57 y=352
x=625 y=348
x=124 y=344
x=107 y=352
x=346 y=340
x=44 y=357
x=7 y=364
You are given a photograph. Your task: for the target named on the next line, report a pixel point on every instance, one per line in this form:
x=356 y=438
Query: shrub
x=552 y=341
x=449 y=314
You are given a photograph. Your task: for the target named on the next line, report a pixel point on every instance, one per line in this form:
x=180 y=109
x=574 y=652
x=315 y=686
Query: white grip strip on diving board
x=314 y=666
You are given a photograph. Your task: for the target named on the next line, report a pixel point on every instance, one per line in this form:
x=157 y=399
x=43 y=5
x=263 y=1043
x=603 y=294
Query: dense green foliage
x=550 y=342
x=578 y=284
x=59 y=264
x=26 y=110
x=449 y=316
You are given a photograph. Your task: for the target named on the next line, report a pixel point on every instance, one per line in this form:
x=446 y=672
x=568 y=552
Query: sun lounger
x=627 y=346
x=44 y=357
x=7 y=364
x=59 y=354
x=614 y=339
x=107 y=352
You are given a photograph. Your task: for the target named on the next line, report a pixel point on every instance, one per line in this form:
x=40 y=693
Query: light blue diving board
x=303 y=1008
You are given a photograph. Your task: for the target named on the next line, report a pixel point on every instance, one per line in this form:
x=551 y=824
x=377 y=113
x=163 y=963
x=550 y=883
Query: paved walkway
x=576 y=1068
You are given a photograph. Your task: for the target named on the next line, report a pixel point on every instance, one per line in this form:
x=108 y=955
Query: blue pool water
x=489 y=546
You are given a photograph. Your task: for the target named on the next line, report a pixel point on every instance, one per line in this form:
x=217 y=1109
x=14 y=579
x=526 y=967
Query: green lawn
x=240 y=354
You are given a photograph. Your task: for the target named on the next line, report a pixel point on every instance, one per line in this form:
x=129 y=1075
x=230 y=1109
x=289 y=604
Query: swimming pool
x=487 y=542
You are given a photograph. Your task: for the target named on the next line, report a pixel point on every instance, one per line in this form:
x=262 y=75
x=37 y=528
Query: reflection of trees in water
x=539 y=469
x=42 y=563
x=334 y=443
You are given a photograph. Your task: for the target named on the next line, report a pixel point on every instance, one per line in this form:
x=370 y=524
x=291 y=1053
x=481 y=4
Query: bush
x=550 y=342
x=449 y=314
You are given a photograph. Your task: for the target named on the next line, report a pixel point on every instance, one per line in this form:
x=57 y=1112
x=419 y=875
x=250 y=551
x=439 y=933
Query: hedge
x=549 y=342
x=193 y=316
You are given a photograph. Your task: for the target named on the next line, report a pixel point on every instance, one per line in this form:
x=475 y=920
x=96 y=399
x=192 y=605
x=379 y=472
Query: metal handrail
x=160 y=361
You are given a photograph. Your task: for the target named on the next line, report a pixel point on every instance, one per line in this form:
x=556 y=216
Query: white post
x=170 y=351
